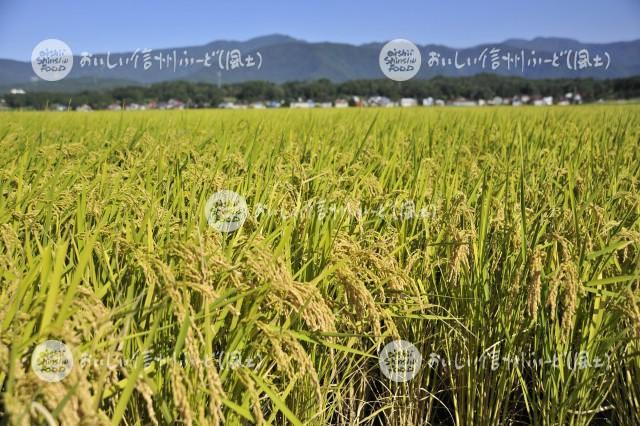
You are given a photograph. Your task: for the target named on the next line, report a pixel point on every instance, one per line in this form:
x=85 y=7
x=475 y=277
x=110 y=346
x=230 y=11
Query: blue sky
x=118 y=25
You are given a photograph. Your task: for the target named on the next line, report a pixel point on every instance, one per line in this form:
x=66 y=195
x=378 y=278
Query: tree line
x=483 y=86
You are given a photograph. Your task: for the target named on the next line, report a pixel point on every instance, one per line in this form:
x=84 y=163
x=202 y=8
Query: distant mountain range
x=287 y=59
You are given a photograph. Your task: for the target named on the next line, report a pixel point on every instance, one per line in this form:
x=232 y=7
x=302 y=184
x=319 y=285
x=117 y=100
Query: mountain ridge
x=286 y=58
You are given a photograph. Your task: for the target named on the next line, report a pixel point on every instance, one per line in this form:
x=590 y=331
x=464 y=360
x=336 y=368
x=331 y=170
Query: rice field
x=503 y=244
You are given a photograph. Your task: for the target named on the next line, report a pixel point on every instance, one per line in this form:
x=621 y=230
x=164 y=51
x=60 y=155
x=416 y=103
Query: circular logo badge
x=400 y=361
x=400 y=59
x=52 y=59
x=52 y=361
x=226 y=211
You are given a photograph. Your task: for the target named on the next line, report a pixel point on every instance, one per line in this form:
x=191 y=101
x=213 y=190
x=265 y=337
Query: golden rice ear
x=291 y=357
x=147 y=394
x=633 y=310
x=534 y=282
x=461 y=258
x=250 y=387
x=360 y=298
x=555 y=283
x=259 y=263
x=571 y=291
x=181 y=394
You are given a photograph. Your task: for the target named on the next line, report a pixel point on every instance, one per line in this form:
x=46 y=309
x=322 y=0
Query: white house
x=303 y=105
x=408 y=102
x=463 y=102
x=381 y=101
x=341 y=103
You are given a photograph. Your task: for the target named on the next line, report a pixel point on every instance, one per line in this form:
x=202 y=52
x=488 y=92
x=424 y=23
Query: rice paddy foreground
x=501 y=244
